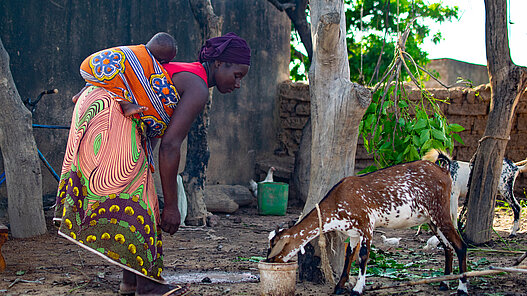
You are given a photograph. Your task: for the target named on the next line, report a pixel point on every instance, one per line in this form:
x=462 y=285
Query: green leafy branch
x=396 y=128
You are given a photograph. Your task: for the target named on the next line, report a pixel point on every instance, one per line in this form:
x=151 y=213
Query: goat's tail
x=439 y=157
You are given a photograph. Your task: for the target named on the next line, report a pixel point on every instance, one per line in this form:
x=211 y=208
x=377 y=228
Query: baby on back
x=164 y=48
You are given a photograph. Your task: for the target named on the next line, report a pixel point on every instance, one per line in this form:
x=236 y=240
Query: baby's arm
x=130 y=109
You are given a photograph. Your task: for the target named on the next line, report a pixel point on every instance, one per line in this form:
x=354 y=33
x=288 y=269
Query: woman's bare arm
x=194 y=95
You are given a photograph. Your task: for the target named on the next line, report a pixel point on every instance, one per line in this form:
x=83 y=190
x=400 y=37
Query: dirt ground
x=50 y=265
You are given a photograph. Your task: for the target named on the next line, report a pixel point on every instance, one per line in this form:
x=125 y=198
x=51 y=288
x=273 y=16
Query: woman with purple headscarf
x=223 y=62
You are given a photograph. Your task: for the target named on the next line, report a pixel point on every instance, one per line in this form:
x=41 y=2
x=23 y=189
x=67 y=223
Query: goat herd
x=400 y=196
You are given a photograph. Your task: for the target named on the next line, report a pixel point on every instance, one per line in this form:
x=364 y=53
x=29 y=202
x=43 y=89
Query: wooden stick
x=445 y=278
x=509 y=269
x=496 y=251
x=520 y=259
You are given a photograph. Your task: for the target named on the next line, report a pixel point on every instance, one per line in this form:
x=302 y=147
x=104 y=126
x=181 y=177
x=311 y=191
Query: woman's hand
x=170 y=219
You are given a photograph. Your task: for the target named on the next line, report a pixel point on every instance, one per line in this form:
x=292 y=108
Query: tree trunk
x=508 y=82
x=337 y=107
x=195 y=174
x=21 y=162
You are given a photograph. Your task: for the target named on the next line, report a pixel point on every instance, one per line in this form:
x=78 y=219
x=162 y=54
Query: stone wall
x=468 y=107
x=47 y=42
x=294 y=113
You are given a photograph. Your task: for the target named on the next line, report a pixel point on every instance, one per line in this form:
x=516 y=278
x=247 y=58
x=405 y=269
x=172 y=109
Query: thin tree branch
x=296 y=11
x=283 y=6
x=378 y=66
x=298 y=54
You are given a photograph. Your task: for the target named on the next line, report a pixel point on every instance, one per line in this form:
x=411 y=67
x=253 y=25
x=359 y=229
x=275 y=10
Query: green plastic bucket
x=272 y=198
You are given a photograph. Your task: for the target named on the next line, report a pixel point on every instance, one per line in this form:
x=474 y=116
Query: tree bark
x=337 y=107
x=21 y=162
x=195 y=174
x=508 y=82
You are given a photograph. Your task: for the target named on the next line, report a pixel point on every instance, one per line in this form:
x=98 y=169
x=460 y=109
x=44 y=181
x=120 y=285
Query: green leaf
x=414 y=154
x=421 y=123
x=407 y=149
x=424 y=136
x=427 y=145
x=458 y=139
x=250 y=259
x=416 y=140
x=368 y=169
x=402 y=104
x=436 y=134
x=385 y=146
x=456 y=128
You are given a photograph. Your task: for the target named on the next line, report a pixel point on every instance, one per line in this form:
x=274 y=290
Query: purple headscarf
x=227 y=48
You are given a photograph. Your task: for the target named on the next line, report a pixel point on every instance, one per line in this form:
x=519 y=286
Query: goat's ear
x=278 y=247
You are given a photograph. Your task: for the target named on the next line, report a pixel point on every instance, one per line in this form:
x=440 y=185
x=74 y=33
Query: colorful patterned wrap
x=106 y=201
x=132 y=74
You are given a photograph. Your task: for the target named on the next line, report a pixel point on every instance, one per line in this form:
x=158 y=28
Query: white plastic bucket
x=277 y=279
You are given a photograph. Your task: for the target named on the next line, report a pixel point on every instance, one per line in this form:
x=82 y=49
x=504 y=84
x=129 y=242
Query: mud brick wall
x=467 y=107
x=294 y=113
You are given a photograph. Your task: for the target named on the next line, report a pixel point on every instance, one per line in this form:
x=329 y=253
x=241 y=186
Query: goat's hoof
x=443 y=286
x=512 y=235
x=462 y=293
x=355 y=293
x=339 y=291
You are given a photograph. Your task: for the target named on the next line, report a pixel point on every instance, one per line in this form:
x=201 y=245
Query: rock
x=219 y=202
x=206 y=280
x=213 y=220
x=238 y=193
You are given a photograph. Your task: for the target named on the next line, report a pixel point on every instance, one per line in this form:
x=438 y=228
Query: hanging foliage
x=395 y=128
x=398 y=129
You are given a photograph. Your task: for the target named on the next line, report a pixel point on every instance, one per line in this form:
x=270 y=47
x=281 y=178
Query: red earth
x=211 y=256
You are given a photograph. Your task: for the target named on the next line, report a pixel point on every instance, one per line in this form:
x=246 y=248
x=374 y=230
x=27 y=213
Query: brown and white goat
x=399 y=196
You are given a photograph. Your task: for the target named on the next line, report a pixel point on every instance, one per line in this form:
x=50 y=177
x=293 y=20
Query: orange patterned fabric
x=131 y=73
x=106 y=201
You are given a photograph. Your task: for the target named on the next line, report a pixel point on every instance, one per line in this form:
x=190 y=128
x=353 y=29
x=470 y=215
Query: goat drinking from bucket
x=399 y=196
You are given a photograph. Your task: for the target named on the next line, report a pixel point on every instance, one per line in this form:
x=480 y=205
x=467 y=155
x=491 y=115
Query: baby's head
x=163 y=46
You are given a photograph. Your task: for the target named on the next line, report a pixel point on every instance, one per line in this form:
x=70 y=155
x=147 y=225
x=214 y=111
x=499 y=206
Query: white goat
x=400 y=196
x=460 y=173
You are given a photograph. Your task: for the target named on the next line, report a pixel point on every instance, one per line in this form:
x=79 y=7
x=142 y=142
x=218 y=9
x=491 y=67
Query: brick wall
x=294 y=113
x=468 y=107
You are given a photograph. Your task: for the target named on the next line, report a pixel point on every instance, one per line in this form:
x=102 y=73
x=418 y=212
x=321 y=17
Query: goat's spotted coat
x=460 y=172
x=400 y=196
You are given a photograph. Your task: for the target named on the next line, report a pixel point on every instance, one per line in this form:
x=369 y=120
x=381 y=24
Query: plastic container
x=272 y=198
x=277 y=279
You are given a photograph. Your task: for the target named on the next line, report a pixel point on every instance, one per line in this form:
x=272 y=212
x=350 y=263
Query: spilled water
x=212 y=277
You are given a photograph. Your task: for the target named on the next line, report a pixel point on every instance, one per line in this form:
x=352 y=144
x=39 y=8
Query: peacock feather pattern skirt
x=106 y=200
